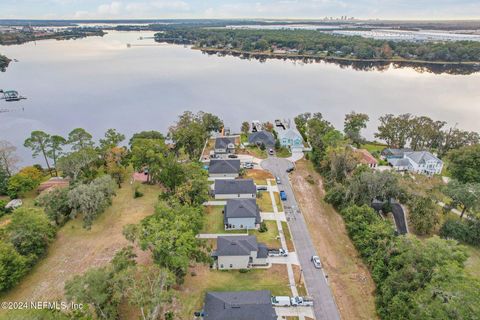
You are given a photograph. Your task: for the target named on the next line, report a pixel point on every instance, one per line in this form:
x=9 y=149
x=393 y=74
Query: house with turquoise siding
x=290 y=138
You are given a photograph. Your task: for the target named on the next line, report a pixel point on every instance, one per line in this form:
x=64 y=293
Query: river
x=100 y=83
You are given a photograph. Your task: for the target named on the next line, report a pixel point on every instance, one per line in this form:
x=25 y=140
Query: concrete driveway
x=316 y=283
x=291 y=258
x=300 y=312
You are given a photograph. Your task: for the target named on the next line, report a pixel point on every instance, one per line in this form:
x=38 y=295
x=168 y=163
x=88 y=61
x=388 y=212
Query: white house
x=235 y=189
x=226 y=169
x=290 y=138
x=419 y=162
x=239 y=252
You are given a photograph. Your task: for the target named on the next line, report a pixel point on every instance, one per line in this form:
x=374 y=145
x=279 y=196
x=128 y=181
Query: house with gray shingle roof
x=290 y=138
x=239 y=305
x=224 y=168
x=262 y=137
x=235 y=189
x=422 y=162
x=239 y=252
x=241 y=214
x=224 y=145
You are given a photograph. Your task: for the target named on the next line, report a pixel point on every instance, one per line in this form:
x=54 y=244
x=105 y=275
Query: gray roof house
x=224 y=168
x=239 y=305
x=239 y=252
x=419 y=162
x=290 y=138
x=235 y=189
x=391 y=153
x=262 y=137
x=224 y=145
x=241 y=214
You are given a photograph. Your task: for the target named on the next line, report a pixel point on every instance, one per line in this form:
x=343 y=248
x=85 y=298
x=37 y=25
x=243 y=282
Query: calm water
x=99 y=83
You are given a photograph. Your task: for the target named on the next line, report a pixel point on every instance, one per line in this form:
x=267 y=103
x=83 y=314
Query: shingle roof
x=264 y=137
x=367 y=157
x=403 y=162
x=240 y=305
x=242 y=208
x=289 y=134
x=395 y=152
x=421 y=157
x=224 y=166
x=237 y=186
x=222 y=143
x=236 y=245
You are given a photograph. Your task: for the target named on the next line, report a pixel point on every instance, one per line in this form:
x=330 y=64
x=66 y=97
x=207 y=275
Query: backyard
x=264 y=201
x=269 y=238
x=214 y=221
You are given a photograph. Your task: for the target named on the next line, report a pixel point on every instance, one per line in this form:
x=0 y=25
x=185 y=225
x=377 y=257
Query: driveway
x=291 y=258
x=300 y=312
x=315 y=280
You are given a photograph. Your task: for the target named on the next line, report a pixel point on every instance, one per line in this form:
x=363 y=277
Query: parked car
x=281 y=301
x=232 y=156
x=277 y=252
x=262 y=188
x=290 y=169
x=301 y=301
x=270 y=151
x=277 y=179
x=283 y=195
x=214 y=156
x=316 y=262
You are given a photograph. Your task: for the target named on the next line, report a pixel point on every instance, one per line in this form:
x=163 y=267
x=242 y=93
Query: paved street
x=315 y=280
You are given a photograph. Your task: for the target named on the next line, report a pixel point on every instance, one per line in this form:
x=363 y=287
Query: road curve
x=315 y=279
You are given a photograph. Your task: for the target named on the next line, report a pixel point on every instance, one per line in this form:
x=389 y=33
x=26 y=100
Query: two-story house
x=235 y=189
x=239 y=252
x=224 y=145
x=290 y=138
x=219 y=168
x=241 y=214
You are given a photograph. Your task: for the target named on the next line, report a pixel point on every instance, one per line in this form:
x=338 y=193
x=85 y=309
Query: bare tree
x=8 y=157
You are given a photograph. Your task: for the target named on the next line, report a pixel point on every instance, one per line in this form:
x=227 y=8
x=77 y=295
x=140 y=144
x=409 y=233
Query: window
x=221 y=266
x=231 y=265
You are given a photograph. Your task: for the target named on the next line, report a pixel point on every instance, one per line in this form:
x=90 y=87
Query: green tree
x=80 y=139
x=8 y=157
x=210 y=122
x=147 y=135
x=423 y=214
x=464 y=164
x=464 y=195
x=245 y=128
x=354 y=123
x=367 y=186
x=148 y=154
x=54 y=148
x=12 y=266
x=30 y=232
x=78 y=164
x=55 y=204
x=39 y=142
x=3 y=181
x=395 y=130
x=112 y=139
x=26 y=180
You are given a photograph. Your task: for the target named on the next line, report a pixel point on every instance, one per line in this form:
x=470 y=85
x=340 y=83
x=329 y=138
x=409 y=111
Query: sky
x=301 y=9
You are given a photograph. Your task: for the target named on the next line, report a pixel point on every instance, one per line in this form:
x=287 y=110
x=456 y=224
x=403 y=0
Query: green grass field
x=264 y=201
x=269 y=238
x=214 y=221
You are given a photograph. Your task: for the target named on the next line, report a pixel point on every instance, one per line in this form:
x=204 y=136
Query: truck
x=281 y=301
x=301 y=302
x=283 y=195
x=277 y=252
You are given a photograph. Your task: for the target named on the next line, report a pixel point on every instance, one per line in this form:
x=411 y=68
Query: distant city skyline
x=294 y=9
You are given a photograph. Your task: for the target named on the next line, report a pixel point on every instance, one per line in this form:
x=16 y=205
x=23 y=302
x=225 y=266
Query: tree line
x=317 y=43
x=4 y=62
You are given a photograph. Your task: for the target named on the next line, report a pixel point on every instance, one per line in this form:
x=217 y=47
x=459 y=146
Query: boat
x=11 y=95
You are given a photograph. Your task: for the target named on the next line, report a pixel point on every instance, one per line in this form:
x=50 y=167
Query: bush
x=12 y=266
x=137 y=193
x=263 y=227
x=466 y=231
x=244 y=270
x=55 y=203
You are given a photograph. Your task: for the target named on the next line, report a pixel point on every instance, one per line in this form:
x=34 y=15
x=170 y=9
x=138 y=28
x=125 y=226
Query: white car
x=277 y=179
x=270 y=152
x=316 y=262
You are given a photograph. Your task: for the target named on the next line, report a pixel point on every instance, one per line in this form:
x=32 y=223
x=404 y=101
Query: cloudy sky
x=109 y=9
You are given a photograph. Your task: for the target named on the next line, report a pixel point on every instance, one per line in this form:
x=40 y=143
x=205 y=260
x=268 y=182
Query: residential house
x=419 y=162
x=224 y=145
x=241 y=214
x=262 y=137
x=290 y=138
x=54 y=182
x=235 y=189
x=367 y=158
x=224 y=168
x=390 y=153
x=239 y=252
x=256 y=126
x=239 y=305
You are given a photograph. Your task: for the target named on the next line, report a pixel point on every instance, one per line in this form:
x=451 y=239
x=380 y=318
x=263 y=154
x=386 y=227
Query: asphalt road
x=315 y=280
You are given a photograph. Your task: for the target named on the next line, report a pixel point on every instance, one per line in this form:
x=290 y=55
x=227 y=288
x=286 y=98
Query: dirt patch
x=75 y=249
x=349 y=278
x=259 y=176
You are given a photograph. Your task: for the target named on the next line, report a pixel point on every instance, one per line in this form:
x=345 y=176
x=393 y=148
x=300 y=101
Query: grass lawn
x=76 y=249
x=209 y=147
x=271 y=237
x=302 y=291
x=288 y=236
x=473 y=263
x=278 y=202
x=192 y=292
x=264 y=201
x=259 y=176
x=253 y=151
x=283 y=153
x=374 y=147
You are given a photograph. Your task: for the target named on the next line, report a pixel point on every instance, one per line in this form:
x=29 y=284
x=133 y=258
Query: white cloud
x=112 y=9
x=171 y=5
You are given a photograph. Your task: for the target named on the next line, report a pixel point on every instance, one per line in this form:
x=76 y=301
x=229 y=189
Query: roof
x=403 y=162
x=239 y=305
x=289 y=134
x=237 y=186
x=224 y=166
x=236 y=245
x=242 y=208
x=223 y=142
x=395 y=152
x=367 y=157
x=264 y=137
x=421 y=157
x=54 y=182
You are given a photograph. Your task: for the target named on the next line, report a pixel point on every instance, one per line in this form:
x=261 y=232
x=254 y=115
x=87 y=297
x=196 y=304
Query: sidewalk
x=216 y=235
x=273 y=216
x=215 y=203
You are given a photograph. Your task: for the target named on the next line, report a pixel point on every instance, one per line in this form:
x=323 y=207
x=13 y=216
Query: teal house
x=290 y=138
